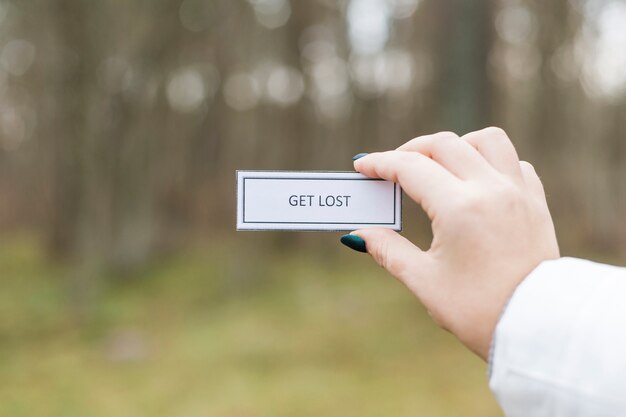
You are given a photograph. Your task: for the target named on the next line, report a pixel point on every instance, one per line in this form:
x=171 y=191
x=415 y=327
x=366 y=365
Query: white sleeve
x=559 y=349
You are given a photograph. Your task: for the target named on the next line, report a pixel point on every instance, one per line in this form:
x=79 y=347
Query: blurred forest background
x=126 y=291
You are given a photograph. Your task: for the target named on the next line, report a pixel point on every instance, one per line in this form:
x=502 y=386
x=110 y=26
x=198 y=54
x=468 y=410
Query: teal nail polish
x=354 y=242
x=359 y=156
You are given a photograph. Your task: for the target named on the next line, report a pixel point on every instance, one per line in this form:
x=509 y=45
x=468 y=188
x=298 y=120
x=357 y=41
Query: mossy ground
x=204 y=333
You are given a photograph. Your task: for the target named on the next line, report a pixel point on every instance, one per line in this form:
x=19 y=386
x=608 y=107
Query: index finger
x=452 y=153
x=423 y=179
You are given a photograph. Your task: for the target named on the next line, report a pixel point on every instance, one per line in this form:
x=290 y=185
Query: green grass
x=205 y=334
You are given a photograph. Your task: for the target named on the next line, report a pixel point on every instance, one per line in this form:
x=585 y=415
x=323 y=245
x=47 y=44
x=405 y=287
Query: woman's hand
x=490 y=221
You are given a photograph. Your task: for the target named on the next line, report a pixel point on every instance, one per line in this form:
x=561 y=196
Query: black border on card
x=396 y=189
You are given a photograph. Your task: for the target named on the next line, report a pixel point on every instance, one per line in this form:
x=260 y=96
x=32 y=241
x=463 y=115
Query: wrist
x=478 y=334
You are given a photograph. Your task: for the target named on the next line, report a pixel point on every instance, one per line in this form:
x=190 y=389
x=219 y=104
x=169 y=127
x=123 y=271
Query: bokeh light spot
x=604 y=71
x=17 y=56
x=403 y=9
x=285 y=86
x=271 y=14
x=368 y=25
x=13 y=128
x=516 y=25
x=241 y=92
x=186 y=90
x=194 y=15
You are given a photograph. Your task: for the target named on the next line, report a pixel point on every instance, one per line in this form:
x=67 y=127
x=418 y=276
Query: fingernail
x=354 y=242
x=359 y=156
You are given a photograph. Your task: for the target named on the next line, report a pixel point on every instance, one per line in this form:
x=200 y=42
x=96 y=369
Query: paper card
x=331 y=201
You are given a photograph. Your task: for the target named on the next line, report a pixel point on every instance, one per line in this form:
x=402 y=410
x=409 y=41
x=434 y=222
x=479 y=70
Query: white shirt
x=559 y=349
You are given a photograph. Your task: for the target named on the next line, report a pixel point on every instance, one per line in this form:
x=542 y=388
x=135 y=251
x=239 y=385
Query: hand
x=490 y=221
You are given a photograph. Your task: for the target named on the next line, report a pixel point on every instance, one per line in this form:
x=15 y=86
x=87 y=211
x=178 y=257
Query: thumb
x=393 y=252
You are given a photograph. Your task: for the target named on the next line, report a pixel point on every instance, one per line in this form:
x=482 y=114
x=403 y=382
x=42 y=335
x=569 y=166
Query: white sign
x=291 y=200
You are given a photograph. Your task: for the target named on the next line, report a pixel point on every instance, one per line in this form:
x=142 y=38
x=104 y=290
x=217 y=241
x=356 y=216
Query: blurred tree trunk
x=105 y=143
x=548 y=108
x=619 y=173
x=608 y=193
x=554 y=129
x=63 y=118
x=465 y=36
x=143 y=133
x=66 y=82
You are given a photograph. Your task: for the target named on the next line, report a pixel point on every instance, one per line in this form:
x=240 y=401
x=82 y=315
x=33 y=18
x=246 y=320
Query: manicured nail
x=354 y=242
x=359 y=156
